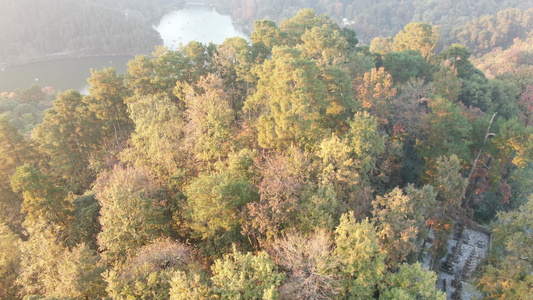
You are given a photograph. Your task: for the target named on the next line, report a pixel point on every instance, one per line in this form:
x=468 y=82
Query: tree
x=475 y=86
x=190 y=286
x=131 y=214
x=70 y=136
x=85 y=225
x=423 y=202
x=366 y=142
x=233 y=61
x=447 y=132
x=10 y=255
x=405 y=65
x=340 y=104
x=304 y=20
x=80 y=274
x=381 y=45
x=106 y=101
x=280 y=190
x=265 y=36
x=157 y=142
x=417 y=36
x=289 y=101
x=138 y=77
x=14 y=152
x=339 y=170
x=215 y=201
x=362 y=264
x=447 y=84
x=375 y=92
x=396 y=228
x=209 y=119
x=450 y=186
x=44 y=201
x=411 y=282
x=246 y=276
x=41 y=257
x=507 y=273
x=326 y=45
x=147 y=274
x=514 y=141
x=309 y=264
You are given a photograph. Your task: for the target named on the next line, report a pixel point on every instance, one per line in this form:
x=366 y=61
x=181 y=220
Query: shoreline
x=59 y=56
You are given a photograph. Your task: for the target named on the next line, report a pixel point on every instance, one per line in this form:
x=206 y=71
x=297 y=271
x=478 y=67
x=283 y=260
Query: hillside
x=297 y=165
x=40 y=30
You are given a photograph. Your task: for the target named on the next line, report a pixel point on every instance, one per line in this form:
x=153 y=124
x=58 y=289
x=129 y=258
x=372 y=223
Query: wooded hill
x=39 y=30
x=300 y=165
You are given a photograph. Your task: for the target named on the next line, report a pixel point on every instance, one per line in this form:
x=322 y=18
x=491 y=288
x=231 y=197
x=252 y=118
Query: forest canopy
x=298 y=164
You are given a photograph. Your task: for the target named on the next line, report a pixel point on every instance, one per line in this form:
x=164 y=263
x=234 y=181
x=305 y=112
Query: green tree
x=405 y=65
x=326 y=45
x=80 y=275
x=232 y=61
x=411 y=282
x=43 y=199
x=70 y=136
x=450 y=186
x=85 y=225
x=10 y=255
x=41 y=256
x=107 y=93
x=131 y=214
x=396 y=228
x=447 y=132
x=304 y=20
x=190 y=287
x=423 y=203
x=366 y=141
x=362 y=264
x=417 y=36
x=215 y=201
x=157 y=142
x=447 y=84
x=14 y=152
x=381 y=45
x=246 y=276
x=210 y=119
x=265 y=36
x=289 y=101
x=514 y=142
x=340 y=104
x=507 y=273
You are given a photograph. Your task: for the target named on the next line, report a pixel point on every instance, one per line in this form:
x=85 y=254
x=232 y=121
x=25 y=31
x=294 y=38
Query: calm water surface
x=202 y=24
x=64 y=74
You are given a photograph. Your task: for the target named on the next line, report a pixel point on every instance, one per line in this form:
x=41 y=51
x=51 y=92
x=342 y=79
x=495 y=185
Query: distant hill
x=36 y=30
x=371 y=18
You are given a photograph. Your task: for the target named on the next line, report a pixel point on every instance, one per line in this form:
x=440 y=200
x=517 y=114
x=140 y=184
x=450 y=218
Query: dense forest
x=299 y=165
x=40 y=30
x=76 y=28
x=372 y=19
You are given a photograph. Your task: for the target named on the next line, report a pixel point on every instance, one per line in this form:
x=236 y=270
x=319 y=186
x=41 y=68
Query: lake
x=196 y=23
x=202 y=24
x=63 y=74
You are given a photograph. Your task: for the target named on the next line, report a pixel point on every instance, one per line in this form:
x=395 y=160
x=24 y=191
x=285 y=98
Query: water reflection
x=202 y=24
